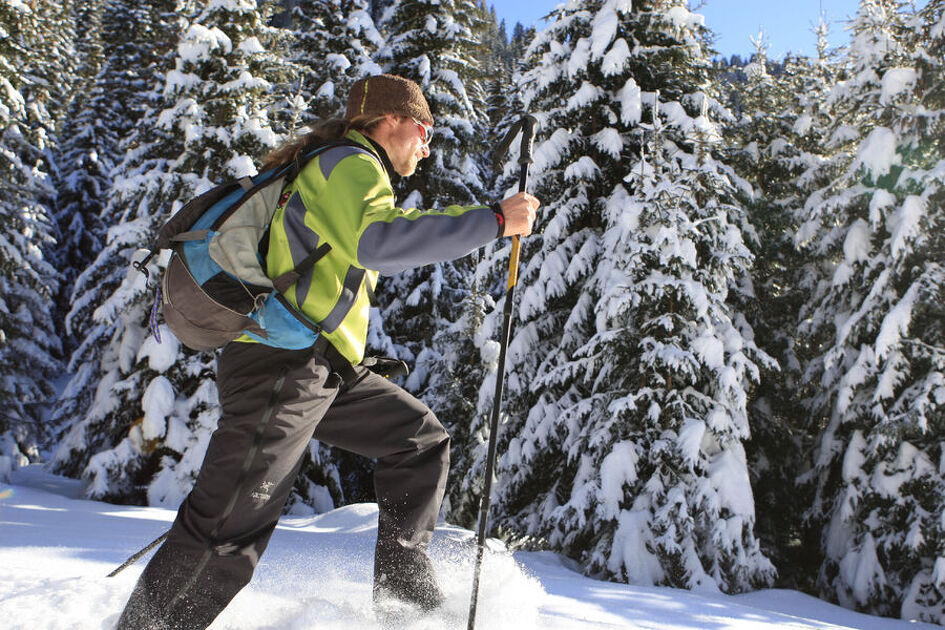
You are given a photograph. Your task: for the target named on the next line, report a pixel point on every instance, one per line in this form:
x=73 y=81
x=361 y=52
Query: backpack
x=215 y=287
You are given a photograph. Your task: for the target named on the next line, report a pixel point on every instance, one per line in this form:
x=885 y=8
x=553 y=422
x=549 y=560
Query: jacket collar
x=377 y=149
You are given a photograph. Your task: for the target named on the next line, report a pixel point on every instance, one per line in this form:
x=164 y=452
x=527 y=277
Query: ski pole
x=525 y=126
x=130 y=561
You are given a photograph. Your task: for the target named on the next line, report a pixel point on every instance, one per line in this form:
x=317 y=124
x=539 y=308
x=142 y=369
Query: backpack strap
x=284 y=281
x=370 y=293
x=292 y=170
x=195 y=235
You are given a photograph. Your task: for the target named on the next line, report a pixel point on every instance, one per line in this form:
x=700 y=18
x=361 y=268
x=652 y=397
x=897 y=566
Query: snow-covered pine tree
x=629 y=372
x=51 y=74
x=776 y=139
x=334 y=45
x=83 y=157
x=136 y=38
x=143 y=437
x=876 y=232
x=49 y=84
x=28 y=343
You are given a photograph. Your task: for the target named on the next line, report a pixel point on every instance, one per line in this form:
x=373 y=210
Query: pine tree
x=335 y=41
x=51 y=71
x=629 y=370
x=28 y=344
x=875 y=230
x=136 y=37
x=777 y=140
x=48 y=86
x=144 y=434
x=84 y=159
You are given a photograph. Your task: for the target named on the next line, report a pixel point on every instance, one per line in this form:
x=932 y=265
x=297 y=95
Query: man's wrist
x=496 y=208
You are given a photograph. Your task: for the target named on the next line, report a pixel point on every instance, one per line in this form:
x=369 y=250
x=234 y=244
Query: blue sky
x=787 y=23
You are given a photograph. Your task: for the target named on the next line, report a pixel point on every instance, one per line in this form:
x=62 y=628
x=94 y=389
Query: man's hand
x=519 y=212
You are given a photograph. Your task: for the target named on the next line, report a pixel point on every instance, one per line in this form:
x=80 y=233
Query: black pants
x=274 y=401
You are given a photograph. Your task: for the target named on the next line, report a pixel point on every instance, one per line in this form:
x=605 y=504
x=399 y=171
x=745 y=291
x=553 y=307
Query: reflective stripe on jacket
x=344 y=197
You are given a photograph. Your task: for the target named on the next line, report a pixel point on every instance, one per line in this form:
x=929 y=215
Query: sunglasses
x=426 y=131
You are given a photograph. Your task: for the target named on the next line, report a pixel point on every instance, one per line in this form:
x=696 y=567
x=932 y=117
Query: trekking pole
x=130 y=561
x=525 y=125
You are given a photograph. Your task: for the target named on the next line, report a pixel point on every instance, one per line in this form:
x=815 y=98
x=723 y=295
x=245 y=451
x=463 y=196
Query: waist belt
x=385 y=366
x=339 y=364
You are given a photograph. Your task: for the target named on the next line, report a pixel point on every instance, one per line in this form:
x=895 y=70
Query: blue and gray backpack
x=215 y=287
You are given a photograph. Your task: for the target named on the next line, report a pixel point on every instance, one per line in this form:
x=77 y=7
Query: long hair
x=318 y=133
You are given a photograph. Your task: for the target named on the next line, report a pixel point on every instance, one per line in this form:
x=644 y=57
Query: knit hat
x=388 y=94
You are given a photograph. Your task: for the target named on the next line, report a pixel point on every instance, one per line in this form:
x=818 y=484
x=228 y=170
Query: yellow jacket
x=344 y=197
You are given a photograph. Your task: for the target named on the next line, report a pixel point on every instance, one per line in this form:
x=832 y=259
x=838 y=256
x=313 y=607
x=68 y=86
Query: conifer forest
x=727 y=363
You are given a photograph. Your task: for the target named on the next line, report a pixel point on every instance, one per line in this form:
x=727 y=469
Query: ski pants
x=274 y=401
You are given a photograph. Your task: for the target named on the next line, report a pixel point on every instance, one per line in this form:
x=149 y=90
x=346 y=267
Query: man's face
x=407 y=146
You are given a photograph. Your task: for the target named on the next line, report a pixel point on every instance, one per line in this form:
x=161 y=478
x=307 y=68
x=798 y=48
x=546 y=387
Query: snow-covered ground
x=55 y=550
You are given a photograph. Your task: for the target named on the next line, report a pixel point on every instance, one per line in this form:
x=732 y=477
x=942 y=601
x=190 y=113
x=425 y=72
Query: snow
x=630 y=548
x=729 y=476
x=235 y=6
x=710 y=351
x=199 y=43
x=861 y=569
x=682 y=18
x=856 y=246
x=603 y=29
x=803 y=124
x=251 y=46
x=904 y=225
x=631 y=103
x=896 y=81
x=938 y=574
x=616 y=59
x=690 y=440
x=157 y=403
x=854 y=457
x=585 y=95
x=617 y=469
x=882 y=199
x=241 y=166
x=57 y=548
x=579 y=57
x=877 y=154
x=608 y=140
x=583 y=169
x=895 y=324
x=161 y=355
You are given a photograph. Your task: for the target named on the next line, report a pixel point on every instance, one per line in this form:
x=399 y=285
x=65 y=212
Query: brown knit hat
x=388 y=94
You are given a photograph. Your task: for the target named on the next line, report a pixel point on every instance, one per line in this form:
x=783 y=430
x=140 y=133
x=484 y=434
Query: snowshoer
x=274 y=400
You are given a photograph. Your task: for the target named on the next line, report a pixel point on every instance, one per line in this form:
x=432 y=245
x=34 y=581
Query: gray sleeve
x=394 y=246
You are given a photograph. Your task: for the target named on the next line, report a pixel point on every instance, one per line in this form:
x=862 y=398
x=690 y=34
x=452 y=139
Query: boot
x=407 y=576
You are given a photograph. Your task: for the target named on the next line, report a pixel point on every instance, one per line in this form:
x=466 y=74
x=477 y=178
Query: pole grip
x=528 y=123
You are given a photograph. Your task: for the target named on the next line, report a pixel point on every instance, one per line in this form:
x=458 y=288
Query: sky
x=56 y=549
x=787 y=23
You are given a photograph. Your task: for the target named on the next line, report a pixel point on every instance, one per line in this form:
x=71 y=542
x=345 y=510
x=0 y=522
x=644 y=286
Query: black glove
x=386 y=366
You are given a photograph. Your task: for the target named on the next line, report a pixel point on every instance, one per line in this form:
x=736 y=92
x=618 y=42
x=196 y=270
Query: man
x=274 y=399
